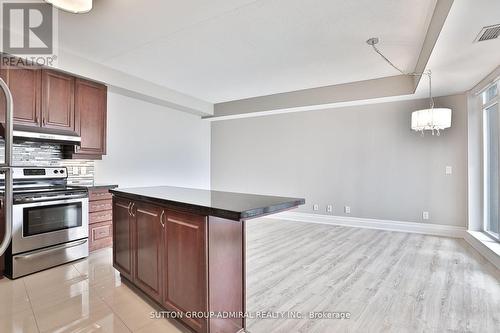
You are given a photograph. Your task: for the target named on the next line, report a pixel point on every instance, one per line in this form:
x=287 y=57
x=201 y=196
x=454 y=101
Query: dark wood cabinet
x=90 y=118
x=100 y=218
x=149 y=225
x=123 y=246
x=165 y=257
x=58 y=104
x=25 y=86
x=100 y=235
x=169 y=255
x=185 y=265
x=201 y=244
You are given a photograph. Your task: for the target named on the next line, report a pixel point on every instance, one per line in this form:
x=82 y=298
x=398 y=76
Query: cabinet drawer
x=100 y=235
x=101 y=232
x=103 y=216
x=99 y=195
x=97 y=206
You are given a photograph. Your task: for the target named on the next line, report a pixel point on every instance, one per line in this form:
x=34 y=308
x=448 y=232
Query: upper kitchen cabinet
x=90 y=118
x=25 y=86
x=61 y=104
x=58 y=100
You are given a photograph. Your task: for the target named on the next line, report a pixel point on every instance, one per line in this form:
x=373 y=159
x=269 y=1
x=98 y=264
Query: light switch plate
x=448 y=170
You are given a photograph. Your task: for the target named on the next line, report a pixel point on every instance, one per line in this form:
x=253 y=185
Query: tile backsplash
x=26 y=153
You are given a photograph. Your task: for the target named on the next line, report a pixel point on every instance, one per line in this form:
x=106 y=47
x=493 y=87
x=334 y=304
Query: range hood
x=40 y=134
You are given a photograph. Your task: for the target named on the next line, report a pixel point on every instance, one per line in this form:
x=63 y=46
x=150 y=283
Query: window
x=491 y=148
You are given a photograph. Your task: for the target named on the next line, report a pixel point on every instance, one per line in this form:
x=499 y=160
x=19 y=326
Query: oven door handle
x=48 y=199
x=51 y=249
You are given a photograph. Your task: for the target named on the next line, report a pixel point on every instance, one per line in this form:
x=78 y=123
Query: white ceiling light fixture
x=72 y=6
x=431 y=119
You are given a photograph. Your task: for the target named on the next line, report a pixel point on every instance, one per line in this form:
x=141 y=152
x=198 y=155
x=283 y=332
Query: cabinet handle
x=129 y=206
x=100 y=206
x=132 y=209
x=161 y=219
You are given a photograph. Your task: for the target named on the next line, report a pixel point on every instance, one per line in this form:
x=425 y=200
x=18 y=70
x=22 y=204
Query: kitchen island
x=185 y=249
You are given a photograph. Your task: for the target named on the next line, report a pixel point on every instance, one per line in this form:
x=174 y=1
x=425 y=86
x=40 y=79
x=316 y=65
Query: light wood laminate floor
x=388 y=281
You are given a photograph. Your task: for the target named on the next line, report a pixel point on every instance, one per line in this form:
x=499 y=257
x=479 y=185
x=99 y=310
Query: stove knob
x=56 y=171
x=62 y=171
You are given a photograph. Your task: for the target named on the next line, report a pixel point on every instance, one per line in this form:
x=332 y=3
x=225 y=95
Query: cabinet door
x=90 y=117
x=185 y=265
x=25 y=85
x=58 y=107
x=148 y=249
x=122 y=237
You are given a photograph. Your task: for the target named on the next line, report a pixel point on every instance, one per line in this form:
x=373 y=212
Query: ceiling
x=223 y=50
x=457 y=62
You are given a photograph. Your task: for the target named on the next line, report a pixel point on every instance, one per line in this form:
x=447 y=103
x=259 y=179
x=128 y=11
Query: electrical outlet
x=315 y=207
x=329 y=209
x=425 y=215
x=448 y=170
x=347 y=209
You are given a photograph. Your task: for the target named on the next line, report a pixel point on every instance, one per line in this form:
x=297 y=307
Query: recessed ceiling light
x=72 y=6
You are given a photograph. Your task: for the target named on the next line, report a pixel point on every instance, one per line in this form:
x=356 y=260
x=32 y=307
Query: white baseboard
x=412 y=227
x=484 y=245
x=480 y=242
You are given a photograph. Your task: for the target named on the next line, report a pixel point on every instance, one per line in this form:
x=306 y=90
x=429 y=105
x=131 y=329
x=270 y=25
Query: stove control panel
x=39 y=172
x=34 y=172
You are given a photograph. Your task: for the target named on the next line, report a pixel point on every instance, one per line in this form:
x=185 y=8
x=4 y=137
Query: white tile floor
x=85 y=296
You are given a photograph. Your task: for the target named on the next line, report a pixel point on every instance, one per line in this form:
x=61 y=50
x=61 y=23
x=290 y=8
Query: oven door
x=41 y=224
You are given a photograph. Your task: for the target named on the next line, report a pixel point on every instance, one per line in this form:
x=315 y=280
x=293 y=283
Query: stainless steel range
x=49 y=221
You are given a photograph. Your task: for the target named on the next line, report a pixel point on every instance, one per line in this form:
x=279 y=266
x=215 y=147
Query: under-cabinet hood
x=40 y=134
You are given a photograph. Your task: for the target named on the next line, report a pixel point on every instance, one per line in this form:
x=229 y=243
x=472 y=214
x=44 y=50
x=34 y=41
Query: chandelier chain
x=428 y=72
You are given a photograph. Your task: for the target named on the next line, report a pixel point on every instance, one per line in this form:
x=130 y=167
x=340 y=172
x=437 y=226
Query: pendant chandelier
x=72 y=6
x=431 y=119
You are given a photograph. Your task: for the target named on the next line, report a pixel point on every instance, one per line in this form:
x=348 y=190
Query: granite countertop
x=228 y=205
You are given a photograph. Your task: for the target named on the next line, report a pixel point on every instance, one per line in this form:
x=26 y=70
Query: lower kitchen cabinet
x=185 y=265
x=100 y=218
x=122 y=237
x=187 y=253
x=100 y=235
x=163 y=253
x=148 y=232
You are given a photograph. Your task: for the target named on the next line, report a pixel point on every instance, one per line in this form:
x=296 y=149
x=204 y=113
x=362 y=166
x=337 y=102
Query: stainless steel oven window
x=22 y=244
x=43 y=219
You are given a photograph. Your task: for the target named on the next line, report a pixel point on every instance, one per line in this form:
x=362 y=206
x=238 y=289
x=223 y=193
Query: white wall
x=365 y=157
x=152 y=145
